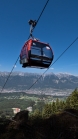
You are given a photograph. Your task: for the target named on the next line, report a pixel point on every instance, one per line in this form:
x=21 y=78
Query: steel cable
x=53 y=63
x=19 y=56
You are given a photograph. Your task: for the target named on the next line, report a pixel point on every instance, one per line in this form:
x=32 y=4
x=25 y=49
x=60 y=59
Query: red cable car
x=36 y=54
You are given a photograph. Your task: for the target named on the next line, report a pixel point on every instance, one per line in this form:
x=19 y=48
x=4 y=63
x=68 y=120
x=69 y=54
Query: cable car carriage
x=35 y=53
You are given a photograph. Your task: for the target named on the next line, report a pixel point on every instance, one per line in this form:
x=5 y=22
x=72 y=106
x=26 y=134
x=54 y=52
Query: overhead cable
x=53 y=63
x=19 y=56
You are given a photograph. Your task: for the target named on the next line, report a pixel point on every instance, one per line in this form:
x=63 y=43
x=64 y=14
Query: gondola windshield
x=42 y=51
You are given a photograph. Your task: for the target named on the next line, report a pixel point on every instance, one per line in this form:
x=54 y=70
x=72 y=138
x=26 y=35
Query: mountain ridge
x=22 y=81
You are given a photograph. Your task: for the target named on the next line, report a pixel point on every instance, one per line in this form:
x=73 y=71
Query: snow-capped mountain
x=22 y=81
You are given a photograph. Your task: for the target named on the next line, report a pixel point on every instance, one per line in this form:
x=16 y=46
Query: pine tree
x=72 y=100
x=37 y=113
x=54 y=107
x=47 y=111
x=57 y=104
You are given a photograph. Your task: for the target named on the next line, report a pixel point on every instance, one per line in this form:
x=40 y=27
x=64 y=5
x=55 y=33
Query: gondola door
x=35 y=53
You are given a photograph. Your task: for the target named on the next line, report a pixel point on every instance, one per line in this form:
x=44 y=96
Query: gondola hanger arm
x=32 y=24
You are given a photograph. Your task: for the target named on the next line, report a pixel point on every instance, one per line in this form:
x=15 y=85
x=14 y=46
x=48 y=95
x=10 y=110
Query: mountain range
x=20 y=81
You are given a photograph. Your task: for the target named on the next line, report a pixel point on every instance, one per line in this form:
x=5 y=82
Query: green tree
x=57 y=104
x=53 y=107
x=47 y=111
x=37 y=113
x=72 y=100
x=67 y=104
x=61 y=104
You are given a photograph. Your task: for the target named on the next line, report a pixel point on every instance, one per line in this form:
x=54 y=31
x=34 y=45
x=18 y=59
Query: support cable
x=53 y=63
x=19 y=56
x=9 y=75
x=40 y=15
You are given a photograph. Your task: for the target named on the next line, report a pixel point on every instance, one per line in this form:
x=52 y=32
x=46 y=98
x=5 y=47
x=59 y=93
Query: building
x=16 y=110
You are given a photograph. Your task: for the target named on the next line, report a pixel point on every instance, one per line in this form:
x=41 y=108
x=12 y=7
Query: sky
x=58 y=26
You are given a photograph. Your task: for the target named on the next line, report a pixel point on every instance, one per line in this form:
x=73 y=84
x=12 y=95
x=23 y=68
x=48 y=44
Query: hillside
x=58 y=126
x=55 y=120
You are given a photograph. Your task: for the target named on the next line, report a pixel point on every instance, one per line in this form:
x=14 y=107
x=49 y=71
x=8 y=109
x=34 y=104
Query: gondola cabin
x=36 y=54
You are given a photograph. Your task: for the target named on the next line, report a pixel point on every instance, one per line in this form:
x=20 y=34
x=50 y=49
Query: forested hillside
x=57 y=119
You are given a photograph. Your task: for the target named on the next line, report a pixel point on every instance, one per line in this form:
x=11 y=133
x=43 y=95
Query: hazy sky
x=58 y=25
